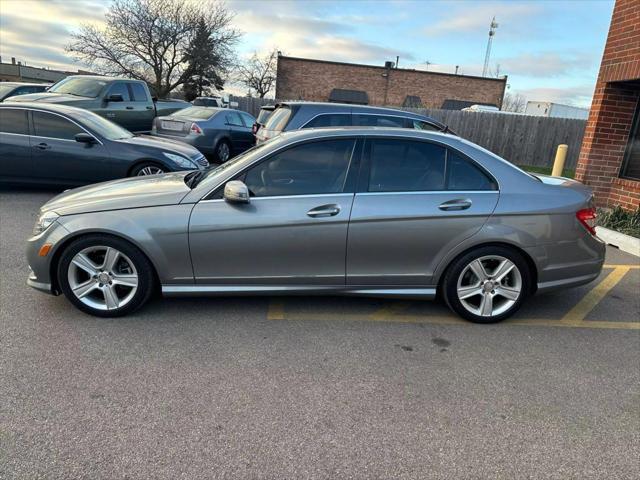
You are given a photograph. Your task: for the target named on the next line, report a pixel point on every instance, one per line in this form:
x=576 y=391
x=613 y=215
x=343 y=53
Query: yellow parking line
x=392 y=309
x=613 y=265
x=276 y=310
x=578 y=313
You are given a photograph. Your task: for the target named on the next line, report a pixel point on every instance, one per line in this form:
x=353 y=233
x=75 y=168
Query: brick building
x=321 y=81
x=610 y=156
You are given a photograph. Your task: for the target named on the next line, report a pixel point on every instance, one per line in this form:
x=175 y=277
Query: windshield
x=278 y=120
x=201 y=113
x=103 y=127
x=79 y=86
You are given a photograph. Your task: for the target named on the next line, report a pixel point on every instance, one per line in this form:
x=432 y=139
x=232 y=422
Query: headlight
x=44 y=221
x=179 y=160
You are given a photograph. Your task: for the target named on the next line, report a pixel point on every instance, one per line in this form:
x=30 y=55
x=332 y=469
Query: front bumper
x=40 y=266
x=33 y=282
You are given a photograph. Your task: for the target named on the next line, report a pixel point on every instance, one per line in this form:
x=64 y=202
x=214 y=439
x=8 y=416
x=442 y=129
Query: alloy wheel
x=223 y=152
x=150 y=170
x=489 y=285
x=103 y=278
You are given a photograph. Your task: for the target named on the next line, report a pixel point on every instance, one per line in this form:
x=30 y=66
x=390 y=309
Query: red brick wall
x=302 y=79
x=612 y=112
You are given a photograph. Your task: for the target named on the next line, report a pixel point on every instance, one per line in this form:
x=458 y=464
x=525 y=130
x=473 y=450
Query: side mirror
x=236 y=191
x=85 y=138
x=154 y=99
x=115 y=97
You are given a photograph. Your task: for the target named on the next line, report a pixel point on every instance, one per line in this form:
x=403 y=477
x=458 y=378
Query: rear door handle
x=129 y=108
x=324 y=211
x=149 y=108
x=457 y=204
x=42 y=146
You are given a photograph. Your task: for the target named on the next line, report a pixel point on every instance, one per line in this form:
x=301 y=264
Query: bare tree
x=150 y=39
x=259 y=73
x=514 y=103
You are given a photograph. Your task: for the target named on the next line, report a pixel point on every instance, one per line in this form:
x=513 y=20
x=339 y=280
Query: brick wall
x=615 y=98
x=313 y=80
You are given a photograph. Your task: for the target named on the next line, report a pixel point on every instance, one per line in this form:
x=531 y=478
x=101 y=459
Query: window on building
x=631 y=164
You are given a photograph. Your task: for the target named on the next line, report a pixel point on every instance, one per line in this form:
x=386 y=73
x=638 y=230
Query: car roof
x=27 y=84
x=324 y=132
x=105 y=78
x=49 y=107
x=338 y=107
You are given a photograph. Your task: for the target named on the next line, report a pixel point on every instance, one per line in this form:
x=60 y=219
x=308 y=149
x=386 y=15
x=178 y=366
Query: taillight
x=587 y=217
x=195 y=129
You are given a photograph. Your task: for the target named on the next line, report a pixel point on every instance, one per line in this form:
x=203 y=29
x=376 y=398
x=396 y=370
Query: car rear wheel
x=147 y=169
x=488 y=284
x=223 y=151
x=105 y=276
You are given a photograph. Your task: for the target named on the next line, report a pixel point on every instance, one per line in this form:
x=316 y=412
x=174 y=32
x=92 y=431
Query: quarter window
x=13 y=121
x=361 y=120
x=139 y=92
x=330 y=120
x=120 y=88
x=406 y=166
x=233 y=118
x=54 y=126
x=312 y=168
x=247 y=119
x=462 y=174
x=420 y=125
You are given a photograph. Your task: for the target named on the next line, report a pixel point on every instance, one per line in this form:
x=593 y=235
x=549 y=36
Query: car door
x=142 y=112
x=416 y=200
x=15 y=148
x=59 y=158
x=293 y=231
x=248 y=140
x=237 y=131
x=120 y=112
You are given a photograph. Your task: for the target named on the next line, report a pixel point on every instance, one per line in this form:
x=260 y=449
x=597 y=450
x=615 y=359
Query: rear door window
x=405 y=166
x=233 y=118
x=420 y=125
x=139 y=92
x=14 y=121
x=330 y=120
x=365 y=120
x=54 y=126
x=247 y=119
x=278 y=119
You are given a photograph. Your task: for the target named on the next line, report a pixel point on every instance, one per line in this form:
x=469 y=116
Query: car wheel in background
x=223 y=151
x=488 y=284
x=145 y=169
x=105 y=276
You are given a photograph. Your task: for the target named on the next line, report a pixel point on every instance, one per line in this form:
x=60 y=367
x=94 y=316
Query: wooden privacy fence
x=521 y=139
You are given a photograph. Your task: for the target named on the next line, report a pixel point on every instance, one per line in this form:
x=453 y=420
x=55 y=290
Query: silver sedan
x=361 y=211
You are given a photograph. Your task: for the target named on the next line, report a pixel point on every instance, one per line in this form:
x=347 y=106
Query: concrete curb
x=626 y=243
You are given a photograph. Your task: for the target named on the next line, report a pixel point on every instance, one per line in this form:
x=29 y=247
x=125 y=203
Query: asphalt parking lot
x=316 y=387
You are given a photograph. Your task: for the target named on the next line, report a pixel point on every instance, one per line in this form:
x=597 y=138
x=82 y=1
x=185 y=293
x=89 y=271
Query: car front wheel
x=488 y=284
x=147 y=169
x=105 y=276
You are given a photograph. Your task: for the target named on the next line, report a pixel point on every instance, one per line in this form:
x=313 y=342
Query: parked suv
x=297 y=115
x=13 y=89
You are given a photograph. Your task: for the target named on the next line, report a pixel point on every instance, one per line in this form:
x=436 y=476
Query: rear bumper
x=198 y=141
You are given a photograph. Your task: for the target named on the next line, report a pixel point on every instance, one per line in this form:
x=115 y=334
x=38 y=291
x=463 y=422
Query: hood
x=136 y=192
x=50 y=97
x=164 y=144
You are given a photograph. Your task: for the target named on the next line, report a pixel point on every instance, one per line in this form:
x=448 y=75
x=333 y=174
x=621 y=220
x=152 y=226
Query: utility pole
x=492 y=32
x=427 y=62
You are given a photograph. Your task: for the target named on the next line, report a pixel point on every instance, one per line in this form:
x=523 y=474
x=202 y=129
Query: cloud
x=578 y=95
x=546 y=64
x=470 y=18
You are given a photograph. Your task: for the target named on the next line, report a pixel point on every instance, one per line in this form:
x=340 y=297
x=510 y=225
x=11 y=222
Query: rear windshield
x=279 y=119
x=201 y=113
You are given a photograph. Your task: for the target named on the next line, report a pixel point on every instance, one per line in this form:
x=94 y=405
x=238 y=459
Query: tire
x=147 y=168
x=223 y=151
x=477 y=288
x=105 y=276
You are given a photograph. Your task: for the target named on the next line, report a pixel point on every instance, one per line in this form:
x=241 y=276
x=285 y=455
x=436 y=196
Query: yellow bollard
x=558 y=163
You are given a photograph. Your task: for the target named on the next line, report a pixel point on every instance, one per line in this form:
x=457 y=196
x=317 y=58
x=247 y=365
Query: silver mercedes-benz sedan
x=363 y=211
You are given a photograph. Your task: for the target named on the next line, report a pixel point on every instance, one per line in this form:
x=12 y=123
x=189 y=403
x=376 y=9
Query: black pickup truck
x=123 y=101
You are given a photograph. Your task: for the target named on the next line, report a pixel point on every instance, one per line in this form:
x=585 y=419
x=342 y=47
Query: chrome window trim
x=280 y=197
x=29 y=109
x=427 y=192
x=376 y=114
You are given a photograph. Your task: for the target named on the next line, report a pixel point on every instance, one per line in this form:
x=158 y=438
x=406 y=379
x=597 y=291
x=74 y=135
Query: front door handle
x=129 y=108
x=149 y=108
x=42 y=146
x=457 y=204
x=324 y=211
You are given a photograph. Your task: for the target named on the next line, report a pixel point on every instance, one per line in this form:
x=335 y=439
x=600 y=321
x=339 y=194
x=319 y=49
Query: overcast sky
x=550 y=49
